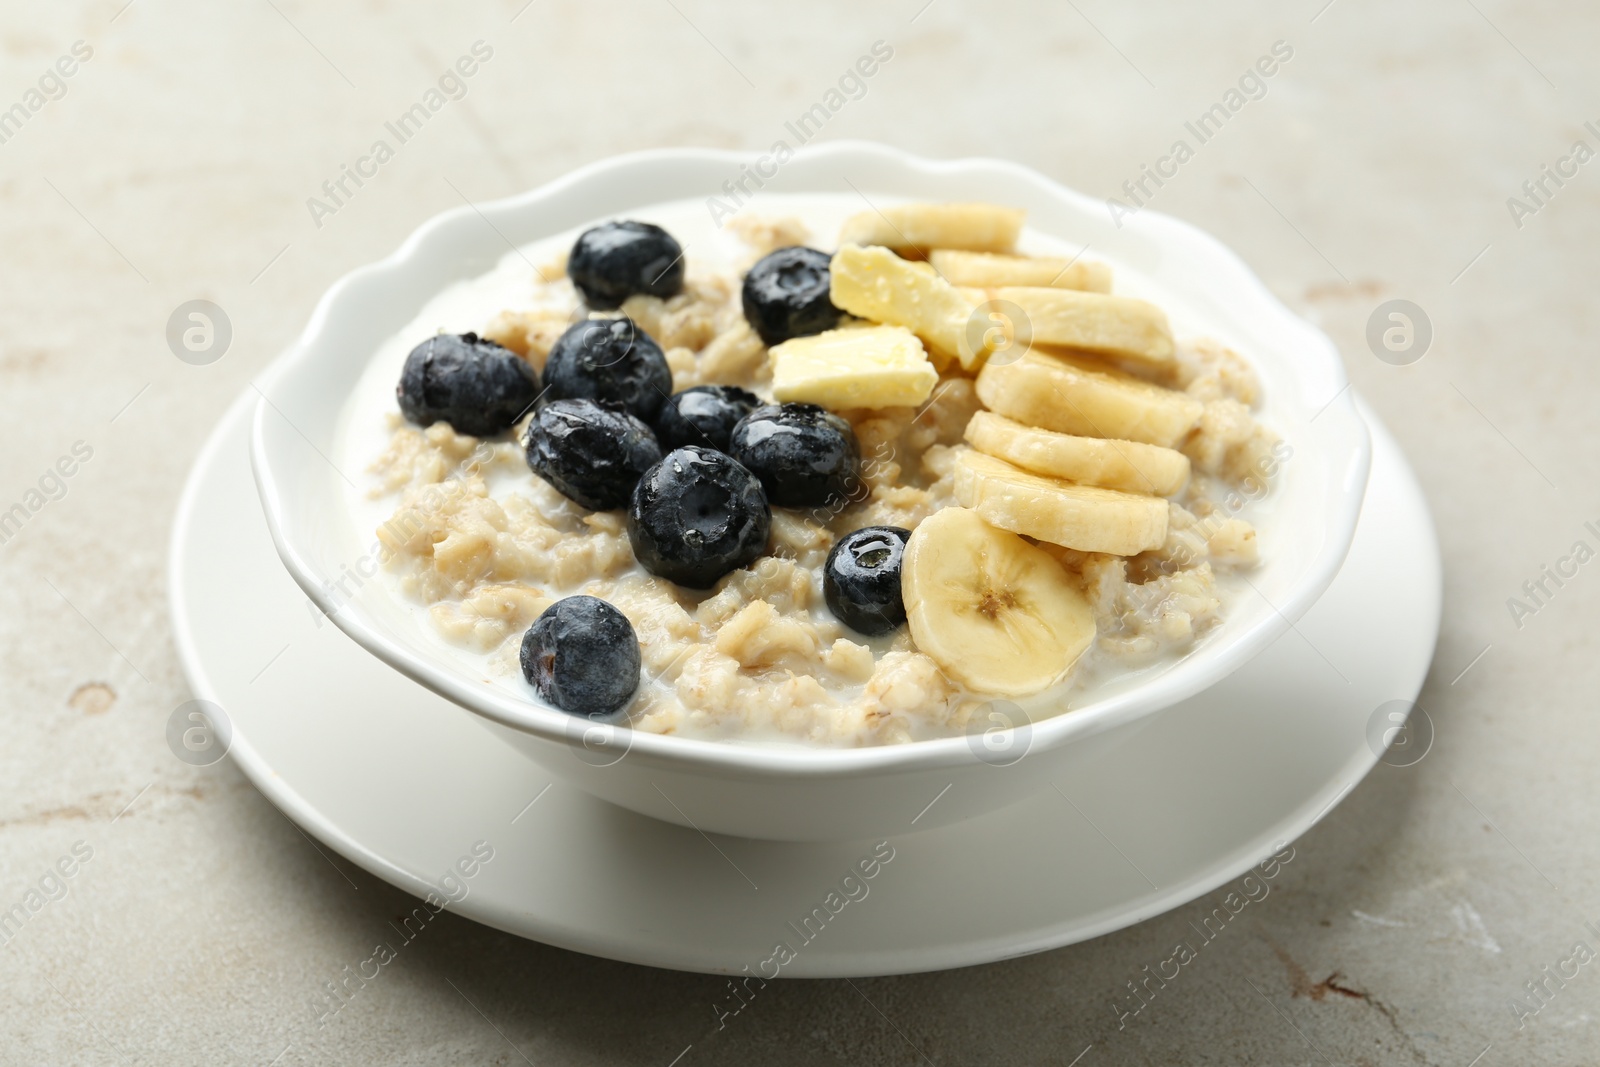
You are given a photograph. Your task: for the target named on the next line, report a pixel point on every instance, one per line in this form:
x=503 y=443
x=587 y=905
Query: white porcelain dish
x=401 y=783
x=792 y=792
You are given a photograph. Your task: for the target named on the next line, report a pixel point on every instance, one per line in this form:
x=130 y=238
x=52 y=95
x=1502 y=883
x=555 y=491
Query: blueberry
x=696 y=516
x=478 y=387
x=593 y=454
x=704 y=415
x=615 y=260
x=805 y=456
x=861 y=580
x=786 y=295
x=610 y=360
x=582 y=656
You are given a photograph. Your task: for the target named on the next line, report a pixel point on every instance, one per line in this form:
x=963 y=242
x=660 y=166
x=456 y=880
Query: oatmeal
x=779 y=563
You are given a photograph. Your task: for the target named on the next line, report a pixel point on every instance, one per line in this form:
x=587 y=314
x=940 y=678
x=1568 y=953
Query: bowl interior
x=307 y=483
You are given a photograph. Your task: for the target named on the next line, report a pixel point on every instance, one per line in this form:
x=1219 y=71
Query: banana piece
x=998 y=614
x=918 y=227
x=988 y=270
x=1069 y=395
x=1121 y=325
x=1126 y=465
x=876 y=284
x=1083 y=517
x=862 y=367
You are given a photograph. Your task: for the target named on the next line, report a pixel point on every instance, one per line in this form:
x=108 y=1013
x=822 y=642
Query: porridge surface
x=485 y=545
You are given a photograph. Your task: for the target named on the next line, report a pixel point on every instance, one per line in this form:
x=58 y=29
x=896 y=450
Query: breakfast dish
x=836 y=498
x=1271 y=749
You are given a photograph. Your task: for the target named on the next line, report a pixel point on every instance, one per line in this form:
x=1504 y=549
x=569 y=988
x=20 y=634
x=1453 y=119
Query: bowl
x=790 y=792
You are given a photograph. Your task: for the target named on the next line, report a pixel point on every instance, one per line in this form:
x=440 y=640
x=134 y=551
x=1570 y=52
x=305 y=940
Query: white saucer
x=404 y=783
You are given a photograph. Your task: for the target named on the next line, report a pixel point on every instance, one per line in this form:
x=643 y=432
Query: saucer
x=409 y=786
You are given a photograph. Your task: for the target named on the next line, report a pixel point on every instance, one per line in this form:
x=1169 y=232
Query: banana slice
x=919 y=227
x=1068 y=395
x=1097 y=322
x=998 y=614
x=1083 y=517
x=876 y=284
x=990 y=269
x=1127 y=465
x=857 y=367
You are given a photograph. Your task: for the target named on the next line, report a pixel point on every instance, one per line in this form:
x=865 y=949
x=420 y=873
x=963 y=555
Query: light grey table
x=176 y=162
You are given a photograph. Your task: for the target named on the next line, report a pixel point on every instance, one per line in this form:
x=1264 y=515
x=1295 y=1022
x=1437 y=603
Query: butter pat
x=856 y=367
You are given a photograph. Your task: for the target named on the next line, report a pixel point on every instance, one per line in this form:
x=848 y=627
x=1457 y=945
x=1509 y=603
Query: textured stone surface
x=1377 y=166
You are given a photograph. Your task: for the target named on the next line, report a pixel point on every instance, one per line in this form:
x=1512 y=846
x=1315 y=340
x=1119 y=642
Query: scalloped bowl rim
x=533 y=717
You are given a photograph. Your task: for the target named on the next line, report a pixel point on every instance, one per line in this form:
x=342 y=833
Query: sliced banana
x=1069 y=395
x=856 y=367
x=998 y=614
x=1127 y=465
x=876 y=284
x=1083 y=517
x=919 y=227
x=1098 y=322
x=990 y=269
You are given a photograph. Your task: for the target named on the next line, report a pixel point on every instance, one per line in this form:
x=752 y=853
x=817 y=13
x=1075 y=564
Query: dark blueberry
x=593 y=454
x=615 y=260
x=861 y=580
x=696 y=516
x=610 y=360
x=805 y=456
x=786 y=295
x=704 y=415
x=582 y=656
x=478 y=387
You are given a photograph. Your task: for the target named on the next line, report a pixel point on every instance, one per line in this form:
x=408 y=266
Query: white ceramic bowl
x=790 y=792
